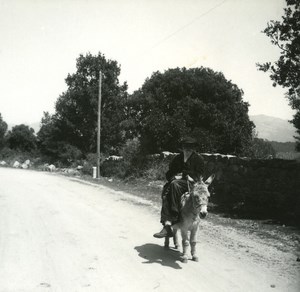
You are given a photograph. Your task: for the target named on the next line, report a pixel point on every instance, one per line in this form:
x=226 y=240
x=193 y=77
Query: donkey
x=193 y=207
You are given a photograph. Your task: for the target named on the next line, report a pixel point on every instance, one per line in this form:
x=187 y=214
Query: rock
x=16 y=164
x=72 y=171
x=51 y=167
x=3 y=163
x=156 y=155
x=24 y=166
x=166 y=154
x=45 y=167
x=114 y=158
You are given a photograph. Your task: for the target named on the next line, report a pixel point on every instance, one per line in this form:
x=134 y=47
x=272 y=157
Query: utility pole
x=99 y=125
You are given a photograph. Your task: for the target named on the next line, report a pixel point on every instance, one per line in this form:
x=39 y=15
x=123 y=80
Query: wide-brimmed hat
x=189 y=141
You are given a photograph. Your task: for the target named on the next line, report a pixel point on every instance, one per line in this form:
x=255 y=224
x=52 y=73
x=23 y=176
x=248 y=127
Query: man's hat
x=189 y=141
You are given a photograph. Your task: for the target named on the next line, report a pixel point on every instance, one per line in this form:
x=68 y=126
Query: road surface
x=58 y=234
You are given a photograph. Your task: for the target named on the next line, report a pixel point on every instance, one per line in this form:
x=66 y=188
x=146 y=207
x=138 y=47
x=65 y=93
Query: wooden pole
x=99 y=125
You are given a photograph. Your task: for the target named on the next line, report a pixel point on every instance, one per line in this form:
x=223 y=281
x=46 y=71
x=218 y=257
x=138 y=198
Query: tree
x=197 y=102
x=75 y=119
x=51 y=143
x=262 y=149
x=21 y=138
x=3 y=129
x=286 y=70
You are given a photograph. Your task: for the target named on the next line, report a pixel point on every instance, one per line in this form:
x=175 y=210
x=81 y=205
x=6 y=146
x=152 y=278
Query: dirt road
x=57 y=234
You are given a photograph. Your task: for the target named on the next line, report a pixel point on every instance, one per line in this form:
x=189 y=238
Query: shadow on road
x=154 y=253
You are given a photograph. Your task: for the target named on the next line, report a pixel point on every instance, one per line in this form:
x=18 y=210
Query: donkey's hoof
x=195 y=259
x=166 y=246
x=184 y=260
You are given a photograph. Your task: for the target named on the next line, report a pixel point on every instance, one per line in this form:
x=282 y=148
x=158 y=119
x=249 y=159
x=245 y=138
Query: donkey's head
x=201 y=195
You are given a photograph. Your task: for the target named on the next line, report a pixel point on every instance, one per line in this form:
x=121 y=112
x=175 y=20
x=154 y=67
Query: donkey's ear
x=210 y=179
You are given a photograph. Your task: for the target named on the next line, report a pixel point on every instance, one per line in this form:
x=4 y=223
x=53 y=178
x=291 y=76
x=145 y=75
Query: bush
x=10 y=156
x=156 y=168
x=115 y=168
x=132 y=163
x=91 y=161
x=131 y=151
x=262 y=149
x=69 y=154
x=288 y=155
x=133 y=160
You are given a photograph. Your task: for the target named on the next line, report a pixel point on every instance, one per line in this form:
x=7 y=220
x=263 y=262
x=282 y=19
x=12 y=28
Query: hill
x=273 y=129
x=267 y=127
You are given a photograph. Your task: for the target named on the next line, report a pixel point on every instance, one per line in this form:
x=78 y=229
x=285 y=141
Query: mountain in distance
x=267 y=127
x=273 y=129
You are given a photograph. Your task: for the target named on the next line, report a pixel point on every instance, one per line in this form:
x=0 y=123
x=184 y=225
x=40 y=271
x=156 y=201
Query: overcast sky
x=40 y=41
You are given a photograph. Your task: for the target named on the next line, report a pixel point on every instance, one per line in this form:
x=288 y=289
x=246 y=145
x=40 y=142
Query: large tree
x=285 y=34
x=75 y=120
x=198 y=102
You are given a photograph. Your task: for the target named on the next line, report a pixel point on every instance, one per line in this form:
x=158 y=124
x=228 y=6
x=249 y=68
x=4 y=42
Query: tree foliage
x=285 y=34
x=262 y=149
x=22 y=138
x=197 y=102
x=3 y=129
x=75 y=120
x=51 y=142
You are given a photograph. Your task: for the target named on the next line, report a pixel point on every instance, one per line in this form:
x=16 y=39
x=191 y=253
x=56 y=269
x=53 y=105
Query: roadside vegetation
x=178 y=102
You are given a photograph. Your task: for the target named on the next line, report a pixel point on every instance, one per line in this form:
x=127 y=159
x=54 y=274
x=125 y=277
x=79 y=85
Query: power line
x=188 y=24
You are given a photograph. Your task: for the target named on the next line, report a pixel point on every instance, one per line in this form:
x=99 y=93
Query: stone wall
x=248 y=188
x=255 y=188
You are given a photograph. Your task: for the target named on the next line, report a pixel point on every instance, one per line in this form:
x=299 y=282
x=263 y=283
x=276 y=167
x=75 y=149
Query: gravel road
x=60 y=234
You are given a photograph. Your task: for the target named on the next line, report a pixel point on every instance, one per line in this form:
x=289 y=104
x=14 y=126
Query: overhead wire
x=188 y=24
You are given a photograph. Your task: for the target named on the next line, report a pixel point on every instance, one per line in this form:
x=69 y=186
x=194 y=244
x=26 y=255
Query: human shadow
x=154 y=253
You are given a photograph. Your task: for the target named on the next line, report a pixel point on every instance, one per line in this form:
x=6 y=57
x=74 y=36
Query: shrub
x=133 y=162
x=10 y=156
x=69 y=154
x=91 y=161
x=156 y=168
x=116 y=168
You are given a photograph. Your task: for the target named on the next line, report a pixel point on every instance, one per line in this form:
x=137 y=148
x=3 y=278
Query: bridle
x=193 y=200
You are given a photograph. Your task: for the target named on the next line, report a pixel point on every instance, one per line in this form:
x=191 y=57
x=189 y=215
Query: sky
x=40 y=41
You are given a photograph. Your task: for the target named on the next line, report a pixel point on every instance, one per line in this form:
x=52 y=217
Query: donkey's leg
x=176 y=238
x=193 y=239
x=185 y=244
x=167 y=242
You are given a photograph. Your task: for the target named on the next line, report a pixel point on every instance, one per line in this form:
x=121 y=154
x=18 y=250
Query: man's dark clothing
x=175 y=188
x=194 y=167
